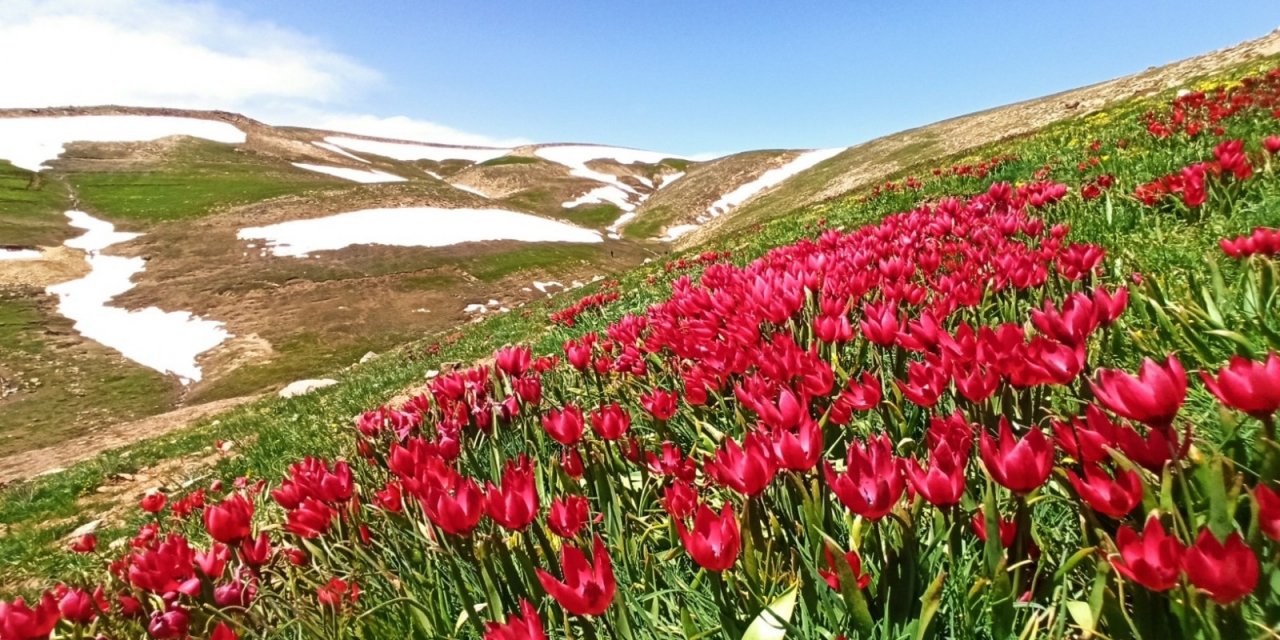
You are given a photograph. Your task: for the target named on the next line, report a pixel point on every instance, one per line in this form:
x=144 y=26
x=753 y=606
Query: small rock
x=367 y=357
x=303 y=387
x=85 y=529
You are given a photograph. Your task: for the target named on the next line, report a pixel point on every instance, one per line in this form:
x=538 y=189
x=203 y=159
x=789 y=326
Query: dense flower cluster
x=569 y=315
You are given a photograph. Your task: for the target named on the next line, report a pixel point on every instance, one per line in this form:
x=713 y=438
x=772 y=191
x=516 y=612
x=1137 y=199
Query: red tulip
x=1109 y=306
x=212 y=562
x=526 y=626
x=514 y=504
x=872 y=482
x=154 y=501
x=256 y=552
x=528 y=389
x=1271 y=144
x=1227 y=572
x=1072 y=325
x=458 y=509
x=1114 y=497
x=234 y=594
x=513 y=361
x=1153 y=397
x=610 y=422
x=1086 y=440
x=747 y=469
x=568 y=515
x=1020 y=466
x=1153 y=451
x=799 y=450
x=587 y=588
x=680 y=500
x=229 y=521
x=1008 y=529
x=17 y=620
x=1248 y=386
x=337 y=592
x=1268 y=511
x=880 y=323
x=832 y=574
x=865 y=393
x=942 y=483
x=661 y=404
x=86 y=543
x=223 y=632
x=564 y=425
x=81 y=607
x=571 y=463
x=390 y=498
x=166 y=568
x=310 y=520
x=173 y=623
x=672 y=463
x=1153 y=560
x=715 y=540
x=925 y=382
x=833 y=329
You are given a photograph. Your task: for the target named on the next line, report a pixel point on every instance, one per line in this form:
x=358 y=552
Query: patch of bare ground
x=106 y=437
x=55 y=265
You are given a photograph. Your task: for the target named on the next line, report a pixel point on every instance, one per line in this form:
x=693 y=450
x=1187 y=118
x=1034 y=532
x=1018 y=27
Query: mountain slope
x=867 y=163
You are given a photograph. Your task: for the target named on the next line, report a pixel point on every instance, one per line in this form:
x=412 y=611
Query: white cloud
x=187 y=55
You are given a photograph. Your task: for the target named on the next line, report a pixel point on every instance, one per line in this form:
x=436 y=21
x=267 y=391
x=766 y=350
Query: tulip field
x=1031 y=392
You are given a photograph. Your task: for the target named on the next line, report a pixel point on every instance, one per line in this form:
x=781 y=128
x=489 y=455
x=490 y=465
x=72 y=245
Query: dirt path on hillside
x=28 y=464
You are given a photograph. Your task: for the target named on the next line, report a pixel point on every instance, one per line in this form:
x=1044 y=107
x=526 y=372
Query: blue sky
x=697 y=77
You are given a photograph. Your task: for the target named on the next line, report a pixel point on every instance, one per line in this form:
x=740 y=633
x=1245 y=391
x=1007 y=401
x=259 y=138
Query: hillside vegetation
x=959 y=404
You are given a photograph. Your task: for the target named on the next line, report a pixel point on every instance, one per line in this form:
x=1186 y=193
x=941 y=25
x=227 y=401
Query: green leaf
x=1082 y=614
x=773 y=620
x=929 y=603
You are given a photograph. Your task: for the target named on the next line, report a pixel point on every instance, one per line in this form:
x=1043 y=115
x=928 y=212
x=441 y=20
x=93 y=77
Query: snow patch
x=303 y=387
x=407 y=151
x=576 y=157
x=412 y=227
x=167 y=341
x=30 y=142
x=462 y=187
x=340 y=151
x=364 y=176
x=608 y=193
x=19 y=254
x=679 y=230
x=543 y=286
x=769 y=179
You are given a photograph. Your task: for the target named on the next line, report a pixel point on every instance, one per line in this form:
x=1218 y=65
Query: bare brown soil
x=107 y=437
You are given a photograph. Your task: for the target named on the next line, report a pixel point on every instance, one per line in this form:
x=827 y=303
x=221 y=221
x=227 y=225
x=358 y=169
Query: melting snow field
x=770 y=178
x=366 y=176
x=607 y=193
x=30 y=142
x=675 y=232
x=576 y=157
x=167 y=341
x=339 y=150
x=412 y=227
x=19 y=254
x=407 y=151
